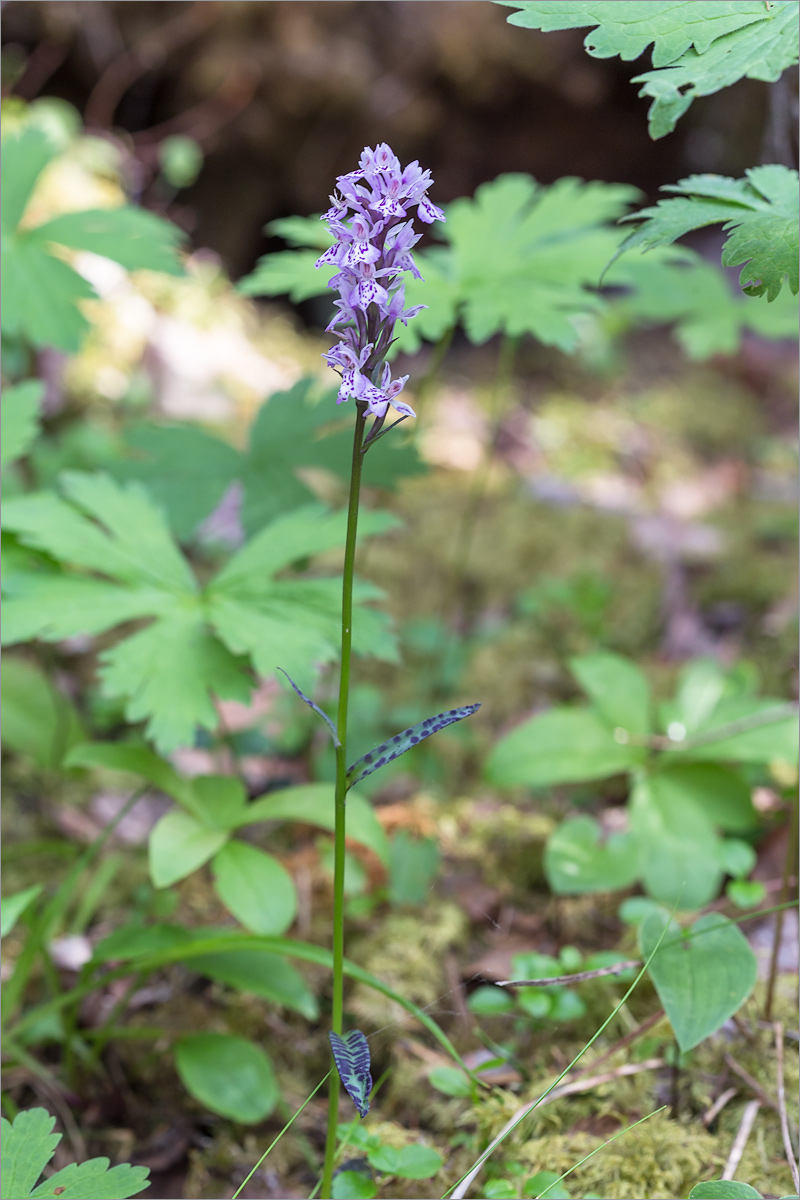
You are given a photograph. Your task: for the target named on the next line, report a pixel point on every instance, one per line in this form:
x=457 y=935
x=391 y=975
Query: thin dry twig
x=753 y=1084
x=630 y=964
x=716 y=1108
x=740 y=1141
x=566 y=1089
x=625 y=1041
x=787 y=1141
x=151 y=52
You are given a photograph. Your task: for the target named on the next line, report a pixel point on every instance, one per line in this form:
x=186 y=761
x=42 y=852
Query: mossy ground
x=493 y=588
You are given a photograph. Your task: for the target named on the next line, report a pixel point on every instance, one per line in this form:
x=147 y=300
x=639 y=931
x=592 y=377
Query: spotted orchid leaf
x=351 y=1055
x=401 y=742
x=315 y=707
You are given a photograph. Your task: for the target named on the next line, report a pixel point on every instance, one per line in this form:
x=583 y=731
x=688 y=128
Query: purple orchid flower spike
x=371 y=256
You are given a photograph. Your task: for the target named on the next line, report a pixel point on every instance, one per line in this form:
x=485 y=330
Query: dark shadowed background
x=282 y=96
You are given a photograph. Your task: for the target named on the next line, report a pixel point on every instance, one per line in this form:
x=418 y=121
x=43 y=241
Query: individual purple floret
x=372 y=251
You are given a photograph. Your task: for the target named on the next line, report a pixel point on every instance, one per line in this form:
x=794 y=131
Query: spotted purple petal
x=401 y=742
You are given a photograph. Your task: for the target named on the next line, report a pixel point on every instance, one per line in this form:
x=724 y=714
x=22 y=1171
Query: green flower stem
x=341 y=791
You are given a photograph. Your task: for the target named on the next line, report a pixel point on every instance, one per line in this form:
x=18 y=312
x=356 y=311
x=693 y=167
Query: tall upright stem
x=341 y=792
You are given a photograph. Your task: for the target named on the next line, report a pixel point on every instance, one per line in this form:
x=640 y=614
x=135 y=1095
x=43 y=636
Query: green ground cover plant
x=111 y=560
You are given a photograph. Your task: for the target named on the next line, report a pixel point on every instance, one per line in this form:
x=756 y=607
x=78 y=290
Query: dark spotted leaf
x=315 y=707
x=397 y=745
x=351 y=1055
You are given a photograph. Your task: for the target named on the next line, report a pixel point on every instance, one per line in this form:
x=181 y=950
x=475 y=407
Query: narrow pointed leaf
x=351 y=1055
x=401 y=742
x=315 y=707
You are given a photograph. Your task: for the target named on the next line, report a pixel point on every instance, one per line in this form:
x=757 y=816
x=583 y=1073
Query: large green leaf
x=678 y=849
x=185 y=468
x=25 y=155
x=266 y=975
x=177 y=945
x=564 y=745
x=199 y=643
x=15 y=905
x=29 y=1144
x=19 y=419
x=137 y=759
x=41 y=295
x=760 y=213
x=313 y=804
x=698 y=47
x=701 y=979
x=520 y=258
x=178 y=845
x=409 y=1162
x=132 y=237
x=754 y=729
x=617 y=688
x=723 y=1189
x=41 y=292
x=255 y=887
x=577 y=861
x=673 y=285
x=38 y=720
x=721 y=794
x=169 y=673
x=228 y=1075
x=523 y=257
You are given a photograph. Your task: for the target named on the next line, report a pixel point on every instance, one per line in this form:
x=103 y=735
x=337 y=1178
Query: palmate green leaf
x=523 y=257
x=132 y=237
x=189 y=470
x=701 y=980
x=228 y=1075
x=169 y=673
x=25 y=156
x=185 y=468
x=28 y=1146
x=759 y=212
x=19 y=419
x=520 y=258
x=673 y=285
x=289 y=272
x=199 y=644
x=699 y=46
x=42 y=293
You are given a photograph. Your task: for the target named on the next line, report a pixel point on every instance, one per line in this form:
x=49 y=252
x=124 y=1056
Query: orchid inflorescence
x=373 y=252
